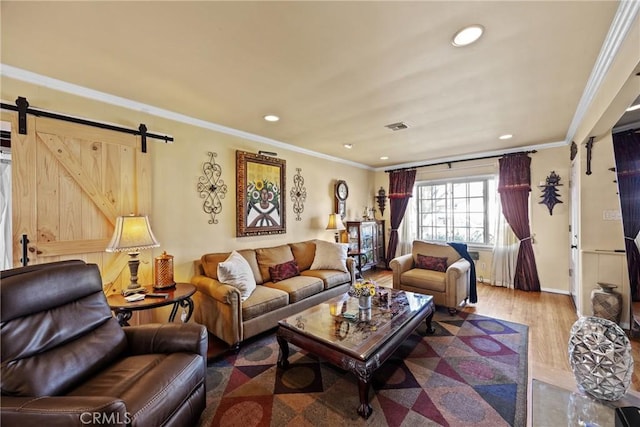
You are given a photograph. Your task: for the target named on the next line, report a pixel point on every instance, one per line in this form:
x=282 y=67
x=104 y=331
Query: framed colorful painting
x=260 y=195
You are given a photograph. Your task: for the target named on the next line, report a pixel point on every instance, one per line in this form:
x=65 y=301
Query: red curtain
x=400 y=190
x=626 y=147
x=514 y=187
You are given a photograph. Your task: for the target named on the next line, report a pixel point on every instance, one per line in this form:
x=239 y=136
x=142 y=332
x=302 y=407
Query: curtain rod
x=22 y=107
x=461 y=160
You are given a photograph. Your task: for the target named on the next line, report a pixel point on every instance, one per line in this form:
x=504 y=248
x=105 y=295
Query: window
x=460 y=210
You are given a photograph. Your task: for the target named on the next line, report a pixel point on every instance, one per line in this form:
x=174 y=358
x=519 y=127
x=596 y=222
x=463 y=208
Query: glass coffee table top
x=555 y=406
x=340 y=323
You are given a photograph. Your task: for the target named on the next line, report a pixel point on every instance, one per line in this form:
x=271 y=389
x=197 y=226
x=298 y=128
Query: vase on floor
x=606 y=303
x=364 y=302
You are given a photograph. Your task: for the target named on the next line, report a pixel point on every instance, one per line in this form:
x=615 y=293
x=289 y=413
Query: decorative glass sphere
x=600 y=357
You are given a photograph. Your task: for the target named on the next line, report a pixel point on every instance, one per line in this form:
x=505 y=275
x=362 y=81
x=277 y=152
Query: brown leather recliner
x=67 y=362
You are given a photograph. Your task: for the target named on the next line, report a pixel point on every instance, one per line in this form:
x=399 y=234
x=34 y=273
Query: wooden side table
x=178 y=296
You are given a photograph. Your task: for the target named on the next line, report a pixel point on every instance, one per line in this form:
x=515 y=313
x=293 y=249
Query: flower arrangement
x=365 y=288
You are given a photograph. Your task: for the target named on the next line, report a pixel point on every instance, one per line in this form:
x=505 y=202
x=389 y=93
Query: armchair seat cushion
x=152 y=385
x=429 y=280
x=263 y=300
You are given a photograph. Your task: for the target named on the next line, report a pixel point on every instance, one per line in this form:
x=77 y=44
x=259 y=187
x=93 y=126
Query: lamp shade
x=335 y=223
x=131 y=234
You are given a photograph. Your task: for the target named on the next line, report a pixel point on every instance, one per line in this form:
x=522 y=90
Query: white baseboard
x=554 y=291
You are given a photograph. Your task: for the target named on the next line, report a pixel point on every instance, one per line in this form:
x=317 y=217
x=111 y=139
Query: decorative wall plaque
x=211 y=188
x=298 y=194
x=550 y=195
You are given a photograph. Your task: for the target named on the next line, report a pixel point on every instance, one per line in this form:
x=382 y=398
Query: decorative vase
x=164 y=271
x=600 y=358
x=364 y=302
x=606 y=303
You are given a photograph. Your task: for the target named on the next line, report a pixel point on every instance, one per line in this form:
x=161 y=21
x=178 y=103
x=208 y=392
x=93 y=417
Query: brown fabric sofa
x=448 y=288
x=67 y=362
x=220 y=308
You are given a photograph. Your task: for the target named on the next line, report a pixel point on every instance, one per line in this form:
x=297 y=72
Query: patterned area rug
x=472 y=371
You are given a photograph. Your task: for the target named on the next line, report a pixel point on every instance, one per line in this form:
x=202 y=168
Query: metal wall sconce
x=549 y=192
x=381 y=198
x=211 y=188
x=298 y=194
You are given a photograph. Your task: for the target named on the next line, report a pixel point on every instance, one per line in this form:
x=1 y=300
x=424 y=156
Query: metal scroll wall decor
x=381 y=198
x=550 y=193
x=211 y=188
x=298 y=194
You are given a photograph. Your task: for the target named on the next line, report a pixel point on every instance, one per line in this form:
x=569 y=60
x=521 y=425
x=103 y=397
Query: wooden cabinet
x=367 y=239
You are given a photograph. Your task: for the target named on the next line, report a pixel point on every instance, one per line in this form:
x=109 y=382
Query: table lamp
x=131 y=234
x=335 y=223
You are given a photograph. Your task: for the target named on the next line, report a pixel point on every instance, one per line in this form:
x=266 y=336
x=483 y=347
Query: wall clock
x=341 y=194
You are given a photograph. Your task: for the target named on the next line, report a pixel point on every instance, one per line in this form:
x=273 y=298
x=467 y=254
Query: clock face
x=342 y=191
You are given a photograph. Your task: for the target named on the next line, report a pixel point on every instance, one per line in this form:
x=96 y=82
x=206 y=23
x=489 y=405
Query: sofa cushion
x=330 y=256
x=434 y=263
x=268 y=257
x=263 y=300
x=330 y=278
x=299 y=287
x=428 y=280
x=236 y=271
x=284 y=271
x=210 y=263
x=304 y=252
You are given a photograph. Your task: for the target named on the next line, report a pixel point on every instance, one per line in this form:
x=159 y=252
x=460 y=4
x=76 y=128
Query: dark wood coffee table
x=359 y=345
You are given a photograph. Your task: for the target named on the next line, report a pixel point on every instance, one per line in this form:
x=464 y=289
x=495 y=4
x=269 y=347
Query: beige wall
x=551 y=232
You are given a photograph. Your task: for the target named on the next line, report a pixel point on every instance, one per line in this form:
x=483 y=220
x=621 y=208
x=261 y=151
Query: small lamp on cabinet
x=335 y=223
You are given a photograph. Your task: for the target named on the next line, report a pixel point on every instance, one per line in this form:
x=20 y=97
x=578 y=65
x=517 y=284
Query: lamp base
x=130 y=291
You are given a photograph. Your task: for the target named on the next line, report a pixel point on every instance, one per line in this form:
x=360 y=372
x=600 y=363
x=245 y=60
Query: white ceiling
x=335 y=72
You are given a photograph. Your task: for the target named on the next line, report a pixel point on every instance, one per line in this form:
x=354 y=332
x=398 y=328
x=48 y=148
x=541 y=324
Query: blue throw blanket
x=461 y=248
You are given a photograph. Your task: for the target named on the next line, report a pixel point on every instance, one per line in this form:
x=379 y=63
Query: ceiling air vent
x=397 y=126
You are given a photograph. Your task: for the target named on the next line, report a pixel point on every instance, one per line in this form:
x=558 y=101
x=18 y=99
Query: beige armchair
x=449 y=286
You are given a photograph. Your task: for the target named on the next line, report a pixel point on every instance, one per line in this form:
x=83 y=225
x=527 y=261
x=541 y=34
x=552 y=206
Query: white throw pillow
x=330 y=256
x=236 y=271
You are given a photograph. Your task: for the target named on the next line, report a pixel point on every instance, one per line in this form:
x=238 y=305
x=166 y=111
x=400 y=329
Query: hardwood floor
x=549 y=317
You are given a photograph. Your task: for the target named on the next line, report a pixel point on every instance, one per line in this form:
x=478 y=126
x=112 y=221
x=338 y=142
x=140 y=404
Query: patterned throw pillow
x=284 y=271
x=434 y=263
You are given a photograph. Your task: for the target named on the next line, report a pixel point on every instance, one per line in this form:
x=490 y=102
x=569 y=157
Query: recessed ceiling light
x=271 y=118
x=384 y=158
x=506 y=136
x=467 y=35
x=349 y=146
x=633 y=108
